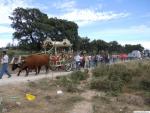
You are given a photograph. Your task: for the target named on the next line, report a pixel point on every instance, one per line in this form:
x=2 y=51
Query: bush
x=11 y=54
x=121 y=73
x=102 y=70
x=112 y=86
x=146 y=97
x=71 y=82
x=145 y=84
x=116 y=70
x=99 y=84
x=111 y=78
x=115 y=87
x=141 y=78
x=67 y=84
x=63 y=81
x=78 y=76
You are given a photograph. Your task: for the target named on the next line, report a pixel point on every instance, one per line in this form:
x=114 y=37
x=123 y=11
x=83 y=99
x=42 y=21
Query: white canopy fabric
x=64 y=43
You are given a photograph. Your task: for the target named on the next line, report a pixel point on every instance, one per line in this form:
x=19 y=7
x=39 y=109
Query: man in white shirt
x=4 y=62
x=77 y=60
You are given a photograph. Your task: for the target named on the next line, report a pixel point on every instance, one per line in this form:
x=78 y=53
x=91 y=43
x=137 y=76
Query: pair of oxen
x=32 y=62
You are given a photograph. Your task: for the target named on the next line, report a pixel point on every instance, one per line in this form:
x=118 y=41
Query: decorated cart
x=61 y=54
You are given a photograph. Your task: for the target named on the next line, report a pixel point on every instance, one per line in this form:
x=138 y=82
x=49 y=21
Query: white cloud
x=133 y=32
x=145 y=44
x=86 y=16
x=5 y=41
x=7 y=7
x=4 y=29
x=69 y=8
x=91 y=15
x=65 y=5
x=140 y=29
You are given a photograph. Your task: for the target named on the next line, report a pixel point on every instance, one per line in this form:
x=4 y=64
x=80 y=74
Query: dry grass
x=122 y=104
x=47 y=100
x=135 y=91
x=133 y=97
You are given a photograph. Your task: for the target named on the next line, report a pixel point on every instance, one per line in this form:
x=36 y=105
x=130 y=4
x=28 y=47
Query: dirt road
x=15 y=79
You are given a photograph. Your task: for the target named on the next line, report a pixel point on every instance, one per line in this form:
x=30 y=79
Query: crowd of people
x=81 y=60
x=89 y=61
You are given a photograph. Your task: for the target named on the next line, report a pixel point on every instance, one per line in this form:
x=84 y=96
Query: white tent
x=136 y=54
x=56 y=44
x=64 y=43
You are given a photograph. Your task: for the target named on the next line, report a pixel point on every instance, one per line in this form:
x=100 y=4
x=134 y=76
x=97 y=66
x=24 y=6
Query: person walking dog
x=4 y=62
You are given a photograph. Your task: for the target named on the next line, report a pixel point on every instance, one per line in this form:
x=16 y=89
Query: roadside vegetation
x=118 y=88
x=134 y=75
x=126 y=87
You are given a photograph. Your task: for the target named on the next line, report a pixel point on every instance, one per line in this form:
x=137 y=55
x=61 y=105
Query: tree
x=62 y=29
x=129 y=48
x=99 y=45
x=84 y=44
x=30 y=26
x=115 y=47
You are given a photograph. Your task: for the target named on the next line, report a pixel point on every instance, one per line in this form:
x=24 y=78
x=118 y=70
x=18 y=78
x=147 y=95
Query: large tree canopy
x=130 y=48
x=32 y=27
x=115 y=47
x=62 y=29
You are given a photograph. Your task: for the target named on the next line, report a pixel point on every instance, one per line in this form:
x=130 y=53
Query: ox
x=31 y=62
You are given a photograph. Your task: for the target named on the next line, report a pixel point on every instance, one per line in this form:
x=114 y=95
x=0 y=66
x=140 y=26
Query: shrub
x=145 y=84
x=71 y=82
x=111 y=78
x=120 y=72
x=78 y=76
x=63 y=81
x=112 y=86
x=99 y=84
x=141 y=78
x=11 y=54
x=101 y=70
x=115 y=87
x=68 y=85
x=146 y=97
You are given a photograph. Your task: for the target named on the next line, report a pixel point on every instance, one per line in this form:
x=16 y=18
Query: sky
x=124 y=21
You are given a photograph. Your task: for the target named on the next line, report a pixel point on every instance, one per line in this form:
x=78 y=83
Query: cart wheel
x=68 y=67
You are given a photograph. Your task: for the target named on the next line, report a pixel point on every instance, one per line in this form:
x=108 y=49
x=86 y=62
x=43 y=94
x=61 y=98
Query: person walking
x=78 y=61
x=4 y=62
x=86 y=65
